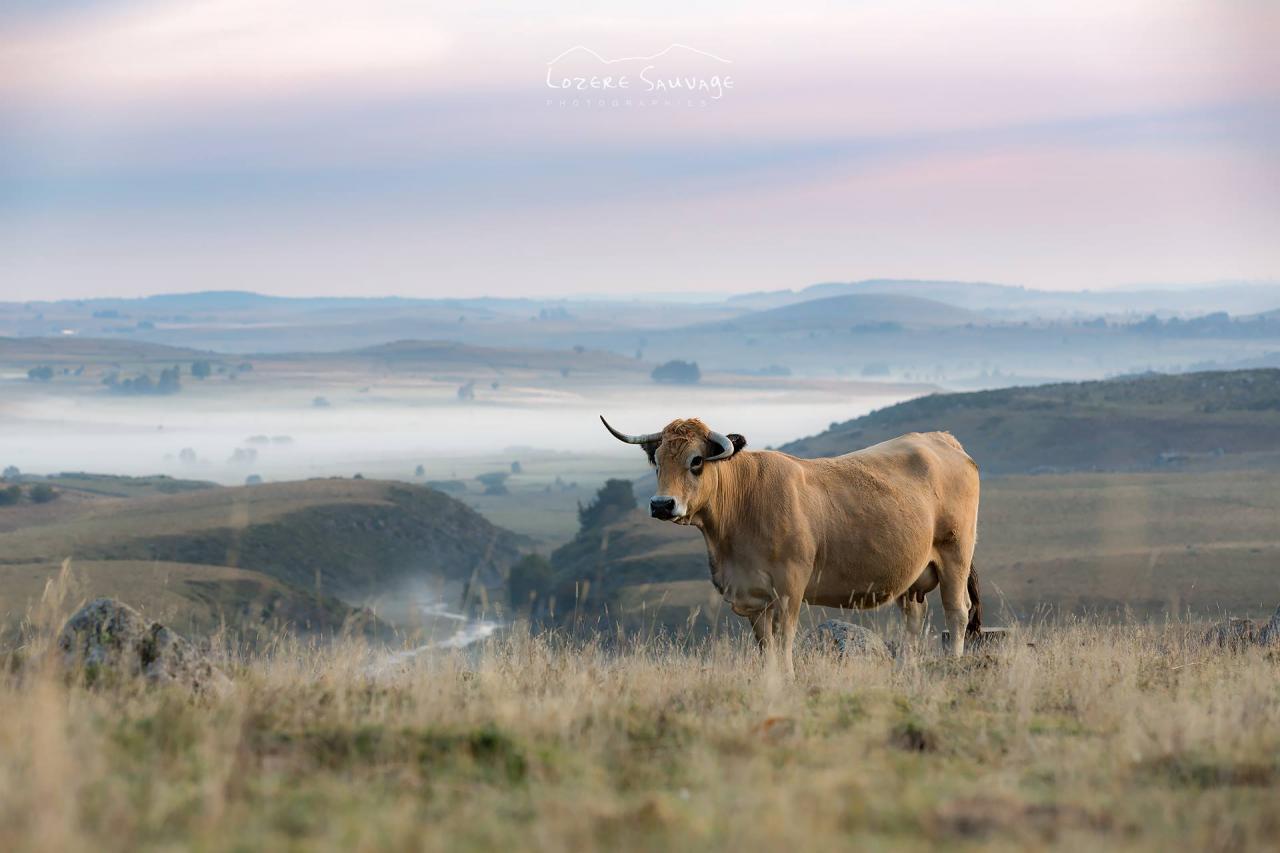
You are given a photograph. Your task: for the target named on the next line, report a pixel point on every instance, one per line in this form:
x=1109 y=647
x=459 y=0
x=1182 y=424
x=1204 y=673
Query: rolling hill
x=850 y=311
x=1139 y=423
x=308 y=551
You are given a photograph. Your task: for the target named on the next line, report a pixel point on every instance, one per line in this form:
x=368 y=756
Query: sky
x=327 y=147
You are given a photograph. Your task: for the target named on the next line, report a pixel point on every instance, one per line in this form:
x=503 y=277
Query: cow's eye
x=695 y=465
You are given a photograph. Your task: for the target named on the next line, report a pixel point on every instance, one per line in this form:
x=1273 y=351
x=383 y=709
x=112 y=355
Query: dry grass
x=1132 y=737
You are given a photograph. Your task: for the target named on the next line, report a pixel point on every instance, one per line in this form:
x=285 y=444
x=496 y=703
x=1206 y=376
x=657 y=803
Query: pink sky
x=336 y=147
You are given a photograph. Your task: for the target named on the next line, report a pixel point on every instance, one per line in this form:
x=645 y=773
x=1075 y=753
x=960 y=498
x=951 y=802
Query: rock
x=851 y=640
x=110 y=642
x=1234 y=634
x=987 y=638
x=1270 y=633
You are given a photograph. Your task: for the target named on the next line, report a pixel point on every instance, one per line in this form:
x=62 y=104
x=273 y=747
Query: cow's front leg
x=762 y=625
x=788 y=619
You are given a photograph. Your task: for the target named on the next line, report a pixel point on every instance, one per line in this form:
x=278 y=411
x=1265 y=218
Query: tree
x=43 y=373
x=201 y=369
x=169 y=383
x=494 y=483
x=530 y=580
x=420 y=471
x=42 y=493
x=516 y=467
x=11 y=473
x=677 y=372
x=615 y=499
x=253 y=480
x=10 y=495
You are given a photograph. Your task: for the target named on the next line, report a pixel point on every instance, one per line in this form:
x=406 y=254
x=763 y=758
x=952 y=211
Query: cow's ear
x=739 y=441
x=651 y=450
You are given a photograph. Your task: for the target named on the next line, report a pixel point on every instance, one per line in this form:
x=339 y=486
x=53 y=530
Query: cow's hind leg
x=953 y=579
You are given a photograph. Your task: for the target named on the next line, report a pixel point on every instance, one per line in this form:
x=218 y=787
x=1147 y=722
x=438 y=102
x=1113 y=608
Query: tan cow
x=889 y=522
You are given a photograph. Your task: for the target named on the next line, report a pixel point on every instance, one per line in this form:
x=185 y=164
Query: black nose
x=662 y=507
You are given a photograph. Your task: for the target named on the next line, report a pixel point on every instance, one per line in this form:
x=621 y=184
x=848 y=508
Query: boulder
x=1270 y=633
x=1234 y=634
x=851 y=640
x=109 y=642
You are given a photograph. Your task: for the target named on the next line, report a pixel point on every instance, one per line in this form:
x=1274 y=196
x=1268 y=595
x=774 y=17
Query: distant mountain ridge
x=1235 y=297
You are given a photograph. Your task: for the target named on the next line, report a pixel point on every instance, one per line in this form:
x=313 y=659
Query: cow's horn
x=726 y=447
x=634 y=439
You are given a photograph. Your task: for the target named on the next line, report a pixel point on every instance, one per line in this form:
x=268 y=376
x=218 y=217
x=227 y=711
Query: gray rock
x=851 y=640
x=109 y=642
x=1270 y=633
x=1234 y=634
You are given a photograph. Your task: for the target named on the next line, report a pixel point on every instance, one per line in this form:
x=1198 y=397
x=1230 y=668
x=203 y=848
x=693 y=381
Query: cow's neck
x=721 y=514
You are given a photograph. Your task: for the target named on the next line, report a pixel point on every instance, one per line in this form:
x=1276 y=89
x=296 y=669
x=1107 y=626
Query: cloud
x=195 y=46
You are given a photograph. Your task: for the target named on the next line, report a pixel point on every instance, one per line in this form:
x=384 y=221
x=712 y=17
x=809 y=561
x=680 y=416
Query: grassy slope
x=1112 y=425
x=848 y=311
x=192 y=599
x=350 y=535
x=1094 y=739
x=75 y=350
x=1081 y=542
x=117 y=486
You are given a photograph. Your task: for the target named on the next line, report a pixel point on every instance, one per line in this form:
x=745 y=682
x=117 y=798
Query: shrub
x=614 y=499
x=677 y=372
x=42 y=493
x=531 y=579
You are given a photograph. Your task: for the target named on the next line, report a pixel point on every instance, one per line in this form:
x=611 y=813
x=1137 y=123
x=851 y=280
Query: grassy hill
x=1139 y=423
x=193 y=599
x=851 y=311
x=78 y=350
x=298 y=542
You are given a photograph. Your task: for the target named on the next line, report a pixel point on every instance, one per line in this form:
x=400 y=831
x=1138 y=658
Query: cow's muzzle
x=662 y=507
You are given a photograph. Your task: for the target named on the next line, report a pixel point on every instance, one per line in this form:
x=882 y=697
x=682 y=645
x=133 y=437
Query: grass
x=1130 y=737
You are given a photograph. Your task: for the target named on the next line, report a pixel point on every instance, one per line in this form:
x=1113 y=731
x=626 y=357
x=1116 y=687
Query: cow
x=885 y=523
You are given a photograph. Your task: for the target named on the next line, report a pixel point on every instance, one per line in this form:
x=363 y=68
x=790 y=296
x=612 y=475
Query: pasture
x=1129 y=736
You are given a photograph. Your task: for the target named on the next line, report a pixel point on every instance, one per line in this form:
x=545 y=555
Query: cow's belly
x=862 y=585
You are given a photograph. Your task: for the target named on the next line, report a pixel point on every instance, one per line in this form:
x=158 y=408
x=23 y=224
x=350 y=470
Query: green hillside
x=1139 y=423
x=193 y=599
x=297 y=545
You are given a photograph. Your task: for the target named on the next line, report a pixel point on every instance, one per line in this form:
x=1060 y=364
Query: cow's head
x=682 y=453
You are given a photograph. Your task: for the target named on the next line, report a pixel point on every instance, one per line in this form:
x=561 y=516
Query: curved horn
x=726 y=447
x=635 y=439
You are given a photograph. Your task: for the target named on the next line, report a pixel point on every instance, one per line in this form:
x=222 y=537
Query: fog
x=290 y=438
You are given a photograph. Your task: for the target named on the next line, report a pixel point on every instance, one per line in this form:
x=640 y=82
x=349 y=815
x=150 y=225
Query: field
x=1131 y=737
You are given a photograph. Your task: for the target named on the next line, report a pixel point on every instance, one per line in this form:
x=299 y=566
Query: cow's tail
x=974 y=628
